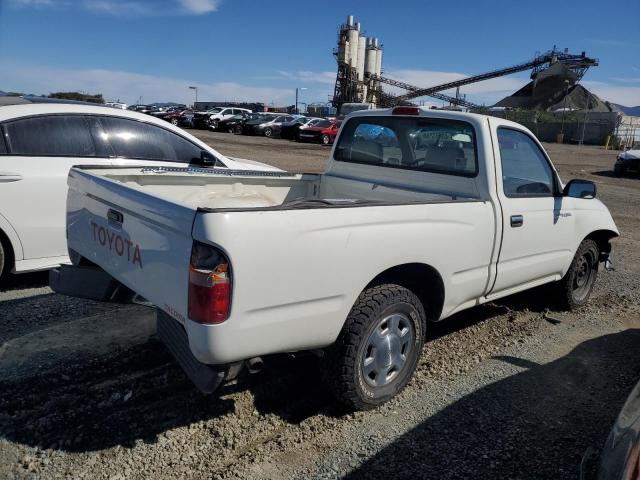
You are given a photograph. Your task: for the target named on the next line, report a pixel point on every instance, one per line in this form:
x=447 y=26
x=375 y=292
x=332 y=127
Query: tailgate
x=142 y=240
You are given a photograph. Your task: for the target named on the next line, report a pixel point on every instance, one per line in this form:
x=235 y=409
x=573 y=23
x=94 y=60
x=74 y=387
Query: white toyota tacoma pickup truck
x=419 y=215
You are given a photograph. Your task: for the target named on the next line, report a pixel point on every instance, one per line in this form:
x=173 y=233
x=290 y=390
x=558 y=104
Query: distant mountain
x=634 y=111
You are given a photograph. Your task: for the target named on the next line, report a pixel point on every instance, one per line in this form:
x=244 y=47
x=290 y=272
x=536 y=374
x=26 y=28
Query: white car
x=120 y=105
x=40 y=143
x=210 y=118
x=628 y=161
x=419 y=215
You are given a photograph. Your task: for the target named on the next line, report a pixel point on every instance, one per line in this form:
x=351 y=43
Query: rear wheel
x=378 y=348
x=619 y=170
x=174 y=121
x=213 y=124
x=325 y=140
x=268 y=132
x=237 y=129
x=6 y=258
x=2 y=260
x=576 y=286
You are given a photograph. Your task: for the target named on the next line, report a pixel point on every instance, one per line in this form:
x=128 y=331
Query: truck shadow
x=537 y=423
x=610 y=174
x=89 y=403
x=24 y=280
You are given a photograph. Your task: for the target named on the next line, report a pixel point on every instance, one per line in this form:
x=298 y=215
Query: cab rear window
x=413 y=143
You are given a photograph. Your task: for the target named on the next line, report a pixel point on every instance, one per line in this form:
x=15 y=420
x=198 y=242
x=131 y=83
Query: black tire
x=268 y=132
x=619 y=170
x=325 y=140
x=345 y=362
x=2 y=260
x=213 y=124
x=575 y=288
x=237 y=129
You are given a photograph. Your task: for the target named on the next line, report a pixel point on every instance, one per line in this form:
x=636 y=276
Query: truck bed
x=230 y=190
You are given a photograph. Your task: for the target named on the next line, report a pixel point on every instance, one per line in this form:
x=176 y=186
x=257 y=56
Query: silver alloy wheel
x=387 y=350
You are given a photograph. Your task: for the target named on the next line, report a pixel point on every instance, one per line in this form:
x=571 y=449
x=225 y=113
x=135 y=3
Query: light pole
x=196 y=89
x=297 y=90
x=564 y=108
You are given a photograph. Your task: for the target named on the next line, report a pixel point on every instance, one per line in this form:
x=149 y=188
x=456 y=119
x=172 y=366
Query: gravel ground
x=506 y=390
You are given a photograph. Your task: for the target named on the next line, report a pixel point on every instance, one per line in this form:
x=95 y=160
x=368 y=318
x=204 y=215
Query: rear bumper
x=310 y=138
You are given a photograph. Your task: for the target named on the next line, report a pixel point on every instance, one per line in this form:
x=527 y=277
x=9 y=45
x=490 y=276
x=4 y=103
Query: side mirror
x=207 y=159
x=580 y=189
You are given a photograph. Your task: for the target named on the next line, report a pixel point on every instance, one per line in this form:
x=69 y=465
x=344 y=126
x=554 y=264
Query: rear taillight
x=209 y=285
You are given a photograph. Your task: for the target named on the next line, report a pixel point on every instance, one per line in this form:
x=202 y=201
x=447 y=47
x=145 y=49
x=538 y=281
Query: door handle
x=9 y=177
x=517 y=220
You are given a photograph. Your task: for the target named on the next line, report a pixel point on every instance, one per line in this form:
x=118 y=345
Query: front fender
x=592 y=216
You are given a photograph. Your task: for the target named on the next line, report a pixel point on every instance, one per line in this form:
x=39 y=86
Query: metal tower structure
x=359 y=78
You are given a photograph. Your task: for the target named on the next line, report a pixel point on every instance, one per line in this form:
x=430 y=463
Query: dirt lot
x=507 y=390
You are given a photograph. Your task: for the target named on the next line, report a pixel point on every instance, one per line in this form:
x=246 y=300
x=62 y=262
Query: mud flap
x=88 y=282
x=206 y=377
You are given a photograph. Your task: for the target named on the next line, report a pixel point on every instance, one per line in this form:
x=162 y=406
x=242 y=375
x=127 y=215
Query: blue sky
x=262 y=50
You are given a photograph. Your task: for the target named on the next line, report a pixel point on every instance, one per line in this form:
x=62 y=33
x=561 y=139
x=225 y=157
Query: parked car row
x=286 y=126
x=243 y=121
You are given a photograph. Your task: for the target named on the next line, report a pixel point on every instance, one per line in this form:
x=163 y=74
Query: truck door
x=538 y=223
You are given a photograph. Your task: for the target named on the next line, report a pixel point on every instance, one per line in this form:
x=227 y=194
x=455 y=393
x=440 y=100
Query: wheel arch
x=10 y=241
x=422 y=279
x=602 y=238
x=10 y=256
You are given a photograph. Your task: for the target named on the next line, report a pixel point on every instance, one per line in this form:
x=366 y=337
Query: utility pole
x=564 y=108
x=584 y=123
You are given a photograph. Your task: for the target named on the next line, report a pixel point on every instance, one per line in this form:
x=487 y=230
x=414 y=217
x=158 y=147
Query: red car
x=183 y=118
x=323 y=132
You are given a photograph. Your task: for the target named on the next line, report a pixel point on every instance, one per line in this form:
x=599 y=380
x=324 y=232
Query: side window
x=525 y=170
x=52 y=135
x=138 y=140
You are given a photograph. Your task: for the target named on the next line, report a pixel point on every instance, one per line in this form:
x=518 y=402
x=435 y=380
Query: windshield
x=427 y=144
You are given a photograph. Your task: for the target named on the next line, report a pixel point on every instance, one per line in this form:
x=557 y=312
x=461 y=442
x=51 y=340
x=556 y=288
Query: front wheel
x=325 y=140
x=378 y=348
x=213 y=124
x=237 y=129
x=174 y=121
x=268 y=132
x=576 y=286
